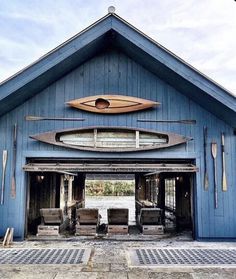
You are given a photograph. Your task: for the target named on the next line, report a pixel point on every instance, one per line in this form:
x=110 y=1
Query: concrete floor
x=109 y=260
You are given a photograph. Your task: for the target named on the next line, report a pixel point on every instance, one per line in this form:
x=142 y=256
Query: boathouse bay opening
x=161 y=199
x=104 y=191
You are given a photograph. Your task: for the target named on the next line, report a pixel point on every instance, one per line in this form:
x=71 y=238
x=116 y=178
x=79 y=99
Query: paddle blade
x=4 y=158
x=224 y=183
x=214 y=149
x=13 y=188
x=33 y=118
x=206 y=182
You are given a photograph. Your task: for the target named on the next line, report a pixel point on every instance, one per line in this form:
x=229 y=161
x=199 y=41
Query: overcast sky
x=202 y=32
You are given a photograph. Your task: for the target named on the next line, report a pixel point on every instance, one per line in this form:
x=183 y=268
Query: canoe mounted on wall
x=111 y=139
x=111 y=104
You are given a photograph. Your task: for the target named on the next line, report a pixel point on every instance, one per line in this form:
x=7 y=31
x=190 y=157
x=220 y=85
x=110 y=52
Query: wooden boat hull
x=111 y=139
x=111 y=104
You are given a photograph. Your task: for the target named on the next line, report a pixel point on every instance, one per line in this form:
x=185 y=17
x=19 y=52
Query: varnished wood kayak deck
x=111 y=104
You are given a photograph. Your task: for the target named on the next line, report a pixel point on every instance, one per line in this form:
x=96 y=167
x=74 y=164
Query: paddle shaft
x=4 y=162
x=186 y=121
x=214 y=155
x=13 y=180
x=39 y=118
x=206 y=181
x=224 y=181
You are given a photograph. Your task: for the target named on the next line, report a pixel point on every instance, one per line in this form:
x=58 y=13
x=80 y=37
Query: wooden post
x=62 y=199
x=70 y=184
x=137 y=139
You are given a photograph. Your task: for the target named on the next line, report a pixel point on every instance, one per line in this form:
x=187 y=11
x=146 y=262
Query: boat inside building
x=163 y=198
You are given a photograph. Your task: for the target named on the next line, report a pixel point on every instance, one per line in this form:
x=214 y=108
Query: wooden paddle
x=214 y=155
x=185 y=121
x=206 y=181
x=4 y=163
x=13 y=179
x=224 y=181
x=39 y=118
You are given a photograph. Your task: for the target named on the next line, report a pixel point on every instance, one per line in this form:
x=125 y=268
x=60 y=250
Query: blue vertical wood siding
x=115 y=73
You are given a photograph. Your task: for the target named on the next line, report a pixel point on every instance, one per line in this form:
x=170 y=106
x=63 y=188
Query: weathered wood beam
x=151 y=168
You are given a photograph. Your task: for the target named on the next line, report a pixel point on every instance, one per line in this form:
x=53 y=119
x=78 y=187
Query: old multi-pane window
x=170 y=194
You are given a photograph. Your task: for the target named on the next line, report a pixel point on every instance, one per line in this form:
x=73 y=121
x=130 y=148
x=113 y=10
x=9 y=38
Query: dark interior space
x=44 y=192
x=171 y=192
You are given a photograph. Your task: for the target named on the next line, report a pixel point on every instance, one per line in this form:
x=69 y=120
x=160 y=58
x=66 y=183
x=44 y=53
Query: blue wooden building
x=112 y=57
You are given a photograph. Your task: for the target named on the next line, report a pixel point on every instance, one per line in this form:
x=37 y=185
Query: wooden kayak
x=111 y=139
x=111 y=104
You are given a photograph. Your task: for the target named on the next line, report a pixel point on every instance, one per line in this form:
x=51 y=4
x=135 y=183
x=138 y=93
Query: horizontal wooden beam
x=150 y=168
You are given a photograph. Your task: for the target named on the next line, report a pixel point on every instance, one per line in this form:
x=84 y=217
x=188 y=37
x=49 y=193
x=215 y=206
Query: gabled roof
x=110 y=31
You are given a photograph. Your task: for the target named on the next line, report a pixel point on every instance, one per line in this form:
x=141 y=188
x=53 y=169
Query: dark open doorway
x=52 y=190
x=63 y=187
x=173 y=193
x=44 y=192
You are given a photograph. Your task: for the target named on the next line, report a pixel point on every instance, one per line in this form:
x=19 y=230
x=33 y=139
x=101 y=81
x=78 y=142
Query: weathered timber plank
x=117 y=229
x=152 y=230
